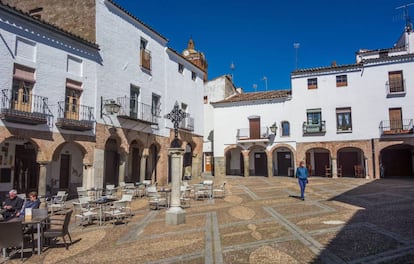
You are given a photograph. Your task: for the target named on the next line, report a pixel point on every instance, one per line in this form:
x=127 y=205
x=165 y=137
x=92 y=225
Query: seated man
x=12 y=205
x=33 y=203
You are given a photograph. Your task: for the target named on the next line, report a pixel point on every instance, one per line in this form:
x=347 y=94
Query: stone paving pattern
x=260 y=220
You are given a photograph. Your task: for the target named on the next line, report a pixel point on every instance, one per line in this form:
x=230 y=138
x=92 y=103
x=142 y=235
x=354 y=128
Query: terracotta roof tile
x=257 y=96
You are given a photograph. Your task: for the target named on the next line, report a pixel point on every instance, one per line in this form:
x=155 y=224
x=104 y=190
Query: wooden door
x=260 y=164
x=321 y=160
x=64 y=171
x=254 y=126
x=22 y=96
x=395 y=118
x=284 y=161
x=72 y=104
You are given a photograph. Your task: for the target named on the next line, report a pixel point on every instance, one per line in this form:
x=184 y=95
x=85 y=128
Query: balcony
x=24 y=109
x=146 y=59
x=244 y=135
x=314 y=129
x=395 y=88
x=396 y=127
x=132 y=109
x=187 y=123
x=75 y=117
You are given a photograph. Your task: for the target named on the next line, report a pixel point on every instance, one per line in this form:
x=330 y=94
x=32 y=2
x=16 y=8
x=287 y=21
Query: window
x=395 y=82
x=205 y=99
x=285 y=128
x=312 y=83
x=145 y=55
x=193 y=76
x=74 y=66
x=72 y=95
x=341 y=80
x=156 y=104
x=343 y=119
x=25 y=49
x=314 y=116
x=23 y=81
x=133 y=102
x=180 y=68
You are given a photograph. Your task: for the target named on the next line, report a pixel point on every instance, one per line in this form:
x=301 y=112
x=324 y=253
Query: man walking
x=302 y=175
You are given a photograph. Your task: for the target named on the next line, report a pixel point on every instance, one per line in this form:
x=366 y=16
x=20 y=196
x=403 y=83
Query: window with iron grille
x=341 y=80
x=312 y=83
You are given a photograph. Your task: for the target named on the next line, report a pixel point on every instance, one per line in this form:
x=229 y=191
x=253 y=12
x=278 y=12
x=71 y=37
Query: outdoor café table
x=38 y=221
x=101 y=203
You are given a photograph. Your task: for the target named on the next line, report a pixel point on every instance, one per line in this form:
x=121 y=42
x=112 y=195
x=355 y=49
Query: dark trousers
x=302 y=184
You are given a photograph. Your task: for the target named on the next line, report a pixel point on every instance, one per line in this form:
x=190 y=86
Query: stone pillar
x=366 y=171
x=87 y=178
x=42 y=184
x=121 y=170
x=246 y=163
x=143 y=165
x=269 y=165
x=175 y=215
x=334 y=168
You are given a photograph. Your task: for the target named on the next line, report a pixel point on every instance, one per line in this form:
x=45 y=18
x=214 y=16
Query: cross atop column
x=176 y=116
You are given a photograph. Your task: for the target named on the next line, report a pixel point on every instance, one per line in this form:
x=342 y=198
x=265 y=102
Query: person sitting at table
x=12 y=205
x=33 y=203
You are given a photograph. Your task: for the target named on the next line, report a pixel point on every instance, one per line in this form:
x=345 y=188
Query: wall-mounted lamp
x=109 y=106
x=273 y=128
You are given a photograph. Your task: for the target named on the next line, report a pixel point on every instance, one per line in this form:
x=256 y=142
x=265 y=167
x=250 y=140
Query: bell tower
x=196 y=57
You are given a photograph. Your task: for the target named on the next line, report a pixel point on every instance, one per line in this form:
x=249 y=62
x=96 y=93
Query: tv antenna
x=408 y=24
x=296 y=47
x=232 y=67
x=265 y=80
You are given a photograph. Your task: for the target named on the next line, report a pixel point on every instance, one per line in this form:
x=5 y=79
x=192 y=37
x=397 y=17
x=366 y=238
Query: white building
x=351 y=120
x=109 y=80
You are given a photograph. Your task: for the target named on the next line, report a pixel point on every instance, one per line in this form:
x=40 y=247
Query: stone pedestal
x=175 y=215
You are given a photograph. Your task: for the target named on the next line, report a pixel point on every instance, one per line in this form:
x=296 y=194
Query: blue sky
x=258 y=36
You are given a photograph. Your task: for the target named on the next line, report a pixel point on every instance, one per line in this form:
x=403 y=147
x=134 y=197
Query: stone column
x=334 y=168
x=246 y=163
x=87 y=178
x=269 y=165
x=175 y=215
x=366 y=168
x=121 y=170
x=143 y=165
x=42 y=184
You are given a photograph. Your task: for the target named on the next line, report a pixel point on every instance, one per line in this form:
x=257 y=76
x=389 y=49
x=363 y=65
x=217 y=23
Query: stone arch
x=348 y=160
x=396 y=160
x=283 y=160
x=136 y=150
x=258 y=156
x=234 y=162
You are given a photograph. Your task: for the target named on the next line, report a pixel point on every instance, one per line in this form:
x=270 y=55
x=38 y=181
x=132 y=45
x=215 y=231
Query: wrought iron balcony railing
x=244 y=134
x=75 y=117
x=26 y=109
x=395 y=127
x=131 y=108
x=311 y=128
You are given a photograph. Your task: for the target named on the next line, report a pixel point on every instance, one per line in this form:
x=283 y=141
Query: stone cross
x=176 y=116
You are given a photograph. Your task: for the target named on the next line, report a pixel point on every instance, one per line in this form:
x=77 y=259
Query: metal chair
x=58 y=226
x=12 y=236
x=219 y=191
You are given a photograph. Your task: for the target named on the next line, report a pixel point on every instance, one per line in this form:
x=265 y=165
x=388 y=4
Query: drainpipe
x=373 y=157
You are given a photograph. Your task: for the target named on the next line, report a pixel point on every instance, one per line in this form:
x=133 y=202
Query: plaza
x=260 y=220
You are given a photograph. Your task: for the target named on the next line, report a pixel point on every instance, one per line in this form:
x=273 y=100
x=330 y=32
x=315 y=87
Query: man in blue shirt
x=302 y=174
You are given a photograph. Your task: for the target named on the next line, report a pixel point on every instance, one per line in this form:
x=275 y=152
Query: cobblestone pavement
x=260 y=220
